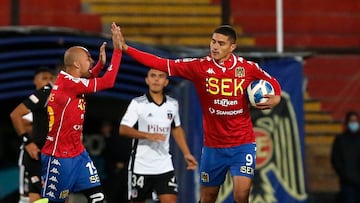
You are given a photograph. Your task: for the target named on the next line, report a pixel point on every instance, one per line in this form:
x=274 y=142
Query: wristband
x=26 y=138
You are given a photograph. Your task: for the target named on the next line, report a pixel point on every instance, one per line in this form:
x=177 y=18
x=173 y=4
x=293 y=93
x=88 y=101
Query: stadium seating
x=164 y=22
x=5 y=12
x=67 y=13
x=308 y=24
x=334 y=80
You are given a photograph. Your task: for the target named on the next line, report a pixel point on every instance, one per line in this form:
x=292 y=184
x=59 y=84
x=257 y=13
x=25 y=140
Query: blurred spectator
x=345 y=158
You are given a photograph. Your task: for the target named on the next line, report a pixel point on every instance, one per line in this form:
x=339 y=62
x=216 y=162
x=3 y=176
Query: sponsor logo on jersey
x=225 y=113
x=110 y=68
x=225 y=102
x=158 y=129
x=225 y=86
x=34 y=99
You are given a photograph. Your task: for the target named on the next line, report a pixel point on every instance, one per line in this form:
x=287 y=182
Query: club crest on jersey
x=205 y=177
x=239 y=72
x=169 y=115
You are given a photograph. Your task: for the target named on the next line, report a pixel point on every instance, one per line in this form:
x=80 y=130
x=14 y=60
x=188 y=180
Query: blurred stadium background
x=322 y=37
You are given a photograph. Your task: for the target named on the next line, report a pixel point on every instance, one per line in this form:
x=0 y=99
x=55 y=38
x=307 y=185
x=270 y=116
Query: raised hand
x=102 y=55
x=116 y=36
x=122 y=39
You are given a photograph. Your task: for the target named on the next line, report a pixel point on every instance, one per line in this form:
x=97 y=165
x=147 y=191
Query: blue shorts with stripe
x=216 y=162
x=65 y=175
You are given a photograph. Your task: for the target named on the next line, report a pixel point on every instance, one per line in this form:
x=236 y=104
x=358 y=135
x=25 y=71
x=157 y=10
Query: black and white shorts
x=144 y=187
x=30 y=174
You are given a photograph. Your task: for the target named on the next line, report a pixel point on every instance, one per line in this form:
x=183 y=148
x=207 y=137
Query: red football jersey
x=222 y=92
x=66 y=109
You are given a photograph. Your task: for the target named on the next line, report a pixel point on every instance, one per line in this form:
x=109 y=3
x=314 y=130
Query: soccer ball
x=257 y=89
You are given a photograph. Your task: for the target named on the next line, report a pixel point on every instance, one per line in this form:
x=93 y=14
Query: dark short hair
x=44 y=70
x=228 y=31
x=350 y=114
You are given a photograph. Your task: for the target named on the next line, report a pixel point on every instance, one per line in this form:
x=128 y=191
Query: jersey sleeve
x=38 y=99
x=84 y=85
x=131 y=115
x=179 y=67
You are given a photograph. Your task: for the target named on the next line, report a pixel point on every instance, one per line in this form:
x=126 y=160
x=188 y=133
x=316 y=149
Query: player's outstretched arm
x=108 y=79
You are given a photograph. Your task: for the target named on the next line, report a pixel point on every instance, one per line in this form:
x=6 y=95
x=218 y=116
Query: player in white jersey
x=150 y=167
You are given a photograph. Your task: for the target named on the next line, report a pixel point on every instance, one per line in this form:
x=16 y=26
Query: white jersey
x=150 y=157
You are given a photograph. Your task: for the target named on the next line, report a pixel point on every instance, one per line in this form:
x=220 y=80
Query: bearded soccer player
x=221 y=80
x=66 y=165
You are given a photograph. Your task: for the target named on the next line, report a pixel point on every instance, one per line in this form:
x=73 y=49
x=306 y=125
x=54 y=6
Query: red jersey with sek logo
x=221 y=89
x=66 y=109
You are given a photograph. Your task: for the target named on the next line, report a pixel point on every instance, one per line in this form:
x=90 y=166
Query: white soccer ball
x=256 y=91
